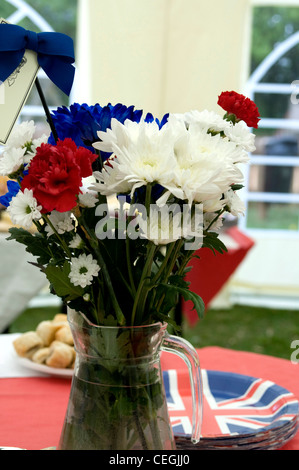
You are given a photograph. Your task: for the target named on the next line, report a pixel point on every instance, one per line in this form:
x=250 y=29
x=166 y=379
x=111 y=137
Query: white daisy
x=76 y=242
x=11 y=160
x=83 y=269
x=62 y=222
x=23 y=209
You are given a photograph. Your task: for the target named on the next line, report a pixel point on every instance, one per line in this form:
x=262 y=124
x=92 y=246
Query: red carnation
x=243 y=108
x=55 y=174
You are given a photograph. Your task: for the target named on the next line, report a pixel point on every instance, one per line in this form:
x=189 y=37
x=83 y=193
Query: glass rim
x=161 y=325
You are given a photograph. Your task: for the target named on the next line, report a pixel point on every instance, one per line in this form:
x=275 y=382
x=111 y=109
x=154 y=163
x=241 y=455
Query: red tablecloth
x=32 y=409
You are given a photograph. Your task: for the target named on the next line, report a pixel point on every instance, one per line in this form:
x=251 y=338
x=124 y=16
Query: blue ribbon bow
x=55 y=54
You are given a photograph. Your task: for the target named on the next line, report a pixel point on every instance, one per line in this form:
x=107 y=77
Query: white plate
x=10 y=448
x=44 y=369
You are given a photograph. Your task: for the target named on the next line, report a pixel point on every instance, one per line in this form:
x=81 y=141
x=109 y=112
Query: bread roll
x=41 y=355
x=64 y=335
x=61 y=355
x=51 y=344
x=27 y=344
x=46 y=330
x=60 y=317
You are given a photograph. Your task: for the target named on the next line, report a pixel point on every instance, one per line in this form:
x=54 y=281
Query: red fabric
x=211 y=271
x=32 y=409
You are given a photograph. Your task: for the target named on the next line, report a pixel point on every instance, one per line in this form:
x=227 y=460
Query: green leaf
x=167 y=319
x=197 y=301
x=236 y=187
x=212 y=242
x=178 y=280
x=60 y=282
x=35 y=244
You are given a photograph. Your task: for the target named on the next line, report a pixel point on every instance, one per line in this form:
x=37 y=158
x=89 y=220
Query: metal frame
x=24 y=10
x=254 y=86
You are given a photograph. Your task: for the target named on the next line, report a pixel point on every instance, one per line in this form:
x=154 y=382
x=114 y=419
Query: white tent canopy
x=163 y=55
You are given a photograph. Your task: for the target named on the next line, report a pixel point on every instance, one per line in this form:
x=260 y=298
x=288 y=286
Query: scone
x=27 y=344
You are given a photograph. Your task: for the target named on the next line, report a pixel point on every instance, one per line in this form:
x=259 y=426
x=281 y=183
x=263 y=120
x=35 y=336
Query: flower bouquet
x=120 y=203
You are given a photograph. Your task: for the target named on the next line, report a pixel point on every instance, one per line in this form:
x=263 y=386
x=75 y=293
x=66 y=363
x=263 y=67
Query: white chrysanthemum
x=214 y=205
x=76 y=242
x=119 y=134
x=88 y=199
x=212 y=222
x=61 y=221
x=23 y=209
x=192 y=225
x=108 y=181
x=189 y=162
x=143 y=154
x=206 y=121
x=234 y=204
x=205 y=165
x=11 y=160
x=161 y=227
x=21 y=134
x=83 y=269
x=241 y=135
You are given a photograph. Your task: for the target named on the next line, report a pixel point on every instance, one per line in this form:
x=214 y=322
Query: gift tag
x=15 y=90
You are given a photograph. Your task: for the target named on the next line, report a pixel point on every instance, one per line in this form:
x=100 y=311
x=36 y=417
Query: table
x=32 y=405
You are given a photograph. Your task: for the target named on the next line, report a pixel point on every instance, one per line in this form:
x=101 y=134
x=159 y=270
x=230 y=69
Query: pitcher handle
x=187 y=352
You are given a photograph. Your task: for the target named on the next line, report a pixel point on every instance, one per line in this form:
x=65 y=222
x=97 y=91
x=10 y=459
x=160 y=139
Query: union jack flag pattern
x=233 y=404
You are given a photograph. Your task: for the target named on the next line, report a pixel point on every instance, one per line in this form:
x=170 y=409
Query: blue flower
x=13 y=189
x=139 y=194
x=81 y=122
x=150 y=118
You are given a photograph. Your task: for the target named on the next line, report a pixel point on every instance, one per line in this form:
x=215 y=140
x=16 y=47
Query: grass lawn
x=30 y=318
x=260 y=330
x=273 y=216
x=255 y=329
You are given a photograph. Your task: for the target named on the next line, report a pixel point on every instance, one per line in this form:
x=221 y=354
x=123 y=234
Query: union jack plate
x=238 y=410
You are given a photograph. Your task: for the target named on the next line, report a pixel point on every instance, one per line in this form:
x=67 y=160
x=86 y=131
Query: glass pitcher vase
x=117 y=399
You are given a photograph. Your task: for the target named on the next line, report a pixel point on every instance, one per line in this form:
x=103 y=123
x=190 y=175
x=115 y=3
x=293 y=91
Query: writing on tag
x=14 y=92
